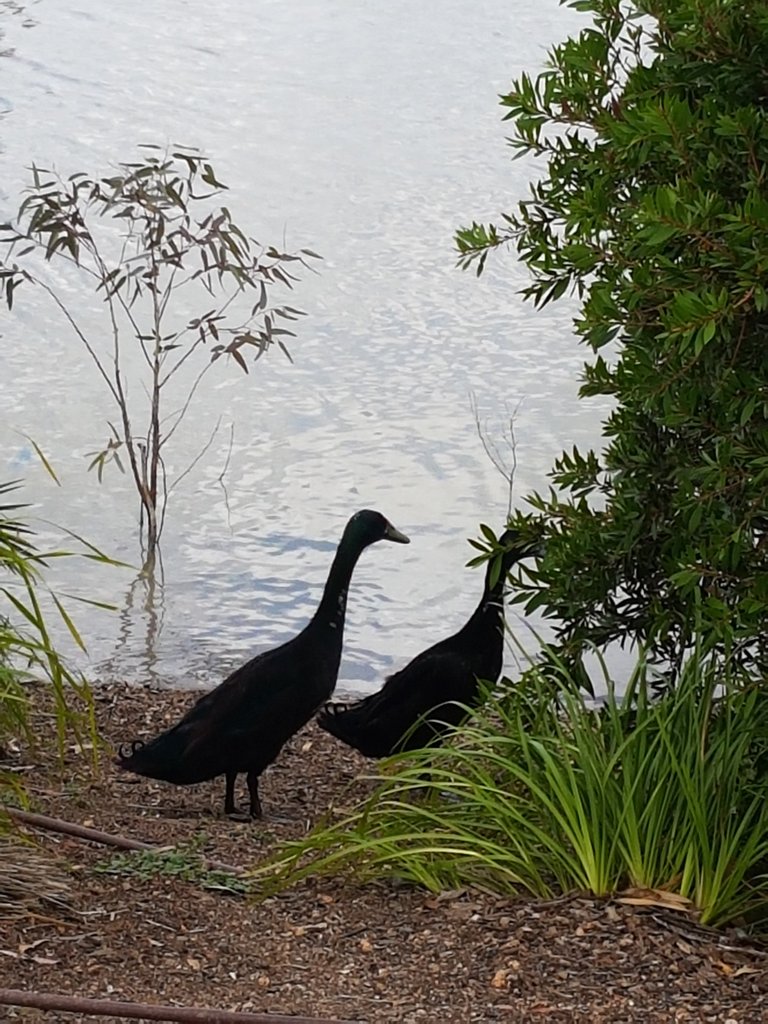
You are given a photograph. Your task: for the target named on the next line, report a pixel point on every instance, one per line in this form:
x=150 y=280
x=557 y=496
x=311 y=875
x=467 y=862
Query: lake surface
x=367 y=132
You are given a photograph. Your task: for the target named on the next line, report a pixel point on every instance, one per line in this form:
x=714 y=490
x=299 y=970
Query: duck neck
x=333 y=604
x=489 y=613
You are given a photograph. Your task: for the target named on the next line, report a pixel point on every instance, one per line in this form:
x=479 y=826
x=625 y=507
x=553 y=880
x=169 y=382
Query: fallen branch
x=146 y=1011
x=94 y=835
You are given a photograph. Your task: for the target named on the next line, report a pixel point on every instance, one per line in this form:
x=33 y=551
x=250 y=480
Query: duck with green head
x=241 y=725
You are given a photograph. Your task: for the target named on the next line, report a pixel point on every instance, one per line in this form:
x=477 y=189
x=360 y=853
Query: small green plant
x=550 y=794
x=138 y=238
x=184 y=861
x=27 y=651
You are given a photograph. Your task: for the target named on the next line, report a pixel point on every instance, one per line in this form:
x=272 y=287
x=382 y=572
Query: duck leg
x=229 y=793
x=253 y=792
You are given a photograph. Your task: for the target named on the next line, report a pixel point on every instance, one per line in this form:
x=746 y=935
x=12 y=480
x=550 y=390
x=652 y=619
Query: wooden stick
x=94 y=835
x=146 y=1011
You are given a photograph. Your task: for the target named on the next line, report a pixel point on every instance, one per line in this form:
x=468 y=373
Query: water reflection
x=368 y=133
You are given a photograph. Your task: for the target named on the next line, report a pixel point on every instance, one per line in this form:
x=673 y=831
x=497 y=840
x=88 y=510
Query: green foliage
x=546 y=793
x=653 y=211
x=491 y=549
x=138 y=239
x=27 y=651
x=184 y=861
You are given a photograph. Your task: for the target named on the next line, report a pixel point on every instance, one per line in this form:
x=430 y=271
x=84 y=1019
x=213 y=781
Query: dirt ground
x=335 y=949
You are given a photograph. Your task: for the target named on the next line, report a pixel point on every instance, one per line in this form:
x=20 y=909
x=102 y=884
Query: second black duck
x=241 y=725
x=437 y=681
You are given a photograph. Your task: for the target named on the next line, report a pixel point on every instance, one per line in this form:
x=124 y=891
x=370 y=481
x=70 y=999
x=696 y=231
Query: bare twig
x=507 y=469
x=164 y=509
x=182 y=359
x=187 y=402
x=76 y=328
x=222 y=474
x=199 y=456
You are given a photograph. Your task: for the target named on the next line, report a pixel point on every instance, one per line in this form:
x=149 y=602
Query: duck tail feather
x=158 y=759
x=333 y=718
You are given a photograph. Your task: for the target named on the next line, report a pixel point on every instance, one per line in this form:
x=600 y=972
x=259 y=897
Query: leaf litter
x=381 y=952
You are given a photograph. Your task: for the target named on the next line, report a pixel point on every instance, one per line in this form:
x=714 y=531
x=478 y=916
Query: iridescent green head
x=368 y=526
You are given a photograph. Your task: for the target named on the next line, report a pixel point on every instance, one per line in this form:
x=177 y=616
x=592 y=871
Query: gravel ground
x=375 y=953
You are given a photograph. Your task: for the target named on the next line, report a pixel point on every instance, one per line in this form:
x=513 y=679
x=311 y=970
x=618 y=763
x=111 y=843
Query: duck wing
x=241 y=724
x=415 y=704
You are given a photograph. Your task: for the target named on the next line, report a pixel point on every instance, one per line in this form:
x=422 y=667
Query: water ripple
x=367 y=132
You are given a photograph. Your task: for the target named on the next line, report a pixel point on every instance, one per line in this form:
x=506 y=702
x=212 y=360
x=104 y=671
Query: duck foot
x=238 y=815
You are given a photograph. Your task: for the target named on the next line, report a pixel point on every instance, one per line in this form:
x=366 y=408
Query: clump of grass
x=25 y=643
x=27 y=650
x=30 y=881
x=28 y=654
x=546 y=793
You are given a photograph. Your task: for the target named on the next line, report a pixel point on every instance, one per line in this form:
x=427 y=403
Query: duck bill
x=392 y=533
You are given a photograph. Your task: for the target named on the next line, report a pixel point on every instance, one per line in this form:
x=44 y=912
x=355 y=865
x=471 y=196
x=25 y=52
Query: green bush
x=652 y=126
x=547 y=794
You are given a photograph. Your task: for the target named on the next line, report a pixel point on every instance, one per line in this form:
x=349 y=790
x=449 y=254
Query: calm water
x=367 y=132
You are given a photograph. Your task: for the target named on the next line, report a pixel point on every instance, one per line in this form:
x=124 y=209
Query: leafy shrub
x=653 y=209
x=545 y=793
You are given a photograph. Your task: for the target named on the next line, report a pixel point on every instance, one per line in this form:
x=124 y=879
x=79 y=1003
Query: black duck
x=446 y=673
x=242 y=724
